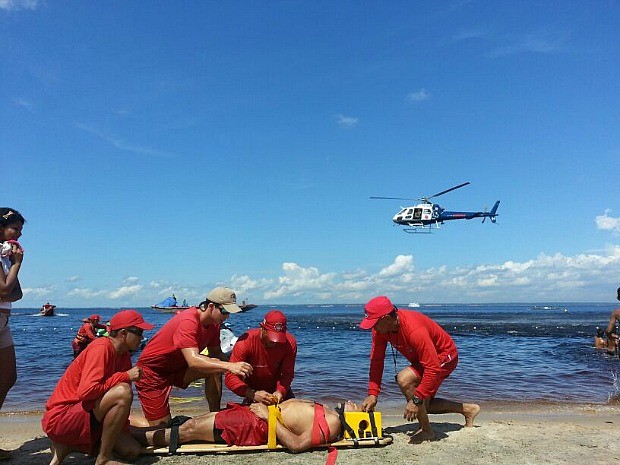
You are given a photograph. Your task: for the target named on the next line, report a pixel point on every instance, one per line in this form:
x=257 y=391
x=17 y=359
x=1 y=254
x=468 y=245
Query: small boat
x=47 y=309
x=413 y=305
x=245 y=306
x=169 y=305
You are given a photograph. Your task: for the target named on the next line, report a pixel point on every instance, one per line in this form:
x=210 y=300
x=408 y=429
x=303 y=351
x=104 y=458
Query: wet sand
x=510 y=434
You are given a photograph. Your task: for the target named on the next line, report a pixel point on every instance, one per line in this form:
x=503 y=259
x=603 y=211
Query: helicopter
x=423 y=216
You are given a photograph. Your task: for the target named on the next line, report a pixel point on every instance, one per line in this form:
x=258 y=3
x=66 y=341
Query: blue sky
x=166 y=147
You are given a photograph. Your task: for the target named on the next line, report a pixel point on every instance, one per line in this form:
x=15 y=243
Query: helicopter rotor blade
x=391 y=198
x=448 y=190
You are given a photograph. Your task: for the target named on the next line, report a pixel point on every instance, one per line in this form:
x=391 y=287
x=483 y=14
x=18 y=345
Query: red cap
x=275 y=326
x=94 y=317
x=376 y=309
x=128 y=319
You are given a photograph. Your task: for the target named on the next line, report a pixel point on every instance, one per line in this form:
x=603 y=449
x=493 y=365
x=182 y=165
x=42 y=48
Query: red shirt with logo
x=162 y=353
x=423 y=342
x=273 y=367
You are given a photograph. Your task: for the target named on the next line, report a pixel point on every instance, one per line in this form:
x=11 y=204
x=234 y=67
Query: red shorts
x=154 y=392
x=73 y=426
x=238 y=426
x=448 y=364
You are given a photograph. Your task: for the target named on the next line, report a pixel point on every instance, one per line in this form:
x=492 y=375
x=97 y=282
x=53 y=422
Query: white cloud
x=121 y=144
x=73 y=279
x=125 y=291
x=346 y=122
x=418 y=96
x=18 y=5
x=23 y=102
x=544 y=42
x=403 y=264
x=608 y=223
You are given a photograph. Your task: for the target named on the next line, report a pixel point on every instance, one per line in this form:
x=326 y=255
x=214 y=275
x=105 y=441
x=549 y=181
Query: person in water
x=11 y=257
x=89 y=409
x=86 y=334
x=599 y=340
x=433 y=357
x=611 y=329
x=173 y=356
x=271 y=350
x=303 y=424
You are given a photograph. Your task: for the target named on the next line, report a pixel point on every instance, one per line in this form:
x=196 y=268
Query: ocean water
x=514 y=353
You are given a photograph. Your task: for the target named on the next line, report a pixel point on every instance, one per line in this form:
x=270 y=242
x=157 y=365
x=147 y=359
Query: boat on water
x=169 y=305
x=413 y=305
x=47 y=309
x=244 y=306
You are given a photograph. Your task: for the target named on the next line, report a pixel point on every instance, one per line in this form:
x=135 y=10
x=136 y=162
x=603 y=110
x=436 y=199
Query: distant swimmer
x=611 y=329
x=599 y=339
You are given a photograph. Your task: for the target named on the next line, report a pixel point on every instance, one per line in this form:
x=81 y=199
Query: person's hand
x=260 y=410
x=242 y=369
x=135 y=373
x=369 y=403
x=264 y=398
x=411 y=411
x=277 y=397
x=17 y=254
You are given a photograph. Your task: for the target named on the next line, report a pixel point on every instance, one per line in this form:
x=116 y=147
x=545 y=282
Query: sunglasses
x=223 y=311
x=137 y=331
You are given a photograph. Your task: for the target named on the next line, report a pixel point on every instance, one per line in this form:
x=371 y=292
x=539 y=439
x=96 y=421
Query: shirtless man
x=89 y=409
x=611 y=329
x=307 y=425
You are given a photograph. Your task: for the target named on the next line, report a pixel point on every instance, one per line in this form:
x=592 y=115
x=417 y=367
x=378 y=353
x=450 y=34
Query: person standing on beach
x=432 y=354
x=611 y=329
x=11 y=256
x=173 y=356
x=271 y=351
x=89 y=408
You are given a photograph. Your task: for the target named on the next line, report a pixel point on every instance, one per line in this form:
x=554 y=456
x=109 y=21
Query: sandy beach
x=504 y=434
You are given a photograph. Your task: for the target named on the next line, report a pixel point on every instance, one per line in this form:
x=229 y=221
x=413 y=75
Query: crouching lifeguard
x=89 y=409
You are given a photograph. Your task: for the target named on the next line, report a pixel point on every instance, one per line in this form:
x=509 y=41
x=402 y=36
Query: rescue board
x=210 y=448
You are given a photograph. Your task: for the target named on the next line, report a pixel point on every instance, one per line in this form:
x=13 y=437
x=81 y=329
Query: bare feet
x=59 y=452
x=422 y=435
x=470 y=411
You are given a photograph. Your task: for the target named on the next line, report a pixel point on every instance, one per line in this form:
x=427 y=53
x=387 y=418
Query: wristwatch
x=416 y=400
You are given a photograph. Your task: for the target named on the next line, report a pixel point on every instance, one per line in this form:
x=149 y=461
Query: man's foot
x=59 y=452
x=4 y=454
x=109 y=461
x=470 y=411
x=422 y=435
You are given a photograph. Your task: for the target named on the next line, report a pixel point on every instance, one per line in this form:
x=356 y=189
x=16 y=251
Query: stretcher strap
x=275 y=415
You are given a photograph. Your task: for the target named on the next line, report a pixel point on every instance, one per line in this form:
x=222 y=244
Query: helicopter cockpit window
x=427 y=211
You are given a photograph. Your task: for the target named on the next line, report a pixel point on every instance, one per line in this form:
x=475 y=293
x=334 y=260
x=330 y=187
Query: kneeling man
x=89 y=409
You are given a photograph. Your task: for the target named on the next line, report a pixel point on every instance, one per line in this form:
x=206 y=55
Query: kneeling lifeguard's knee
x=407 y=377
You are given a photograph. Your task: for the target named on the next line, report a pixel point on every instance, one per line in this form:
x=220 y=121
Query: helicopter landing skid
x=418 y=230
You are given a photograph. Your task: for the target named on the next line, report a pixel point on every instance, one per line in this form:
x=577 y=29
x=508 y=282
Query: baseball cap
x=94 y=317
x=127 y=319
x=225 y=297
x=376 y=309
x=274 y=324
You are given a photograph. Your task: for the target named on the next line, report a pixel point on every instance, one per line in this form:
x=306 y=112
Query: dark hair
x=619 y=293
x=10 y=215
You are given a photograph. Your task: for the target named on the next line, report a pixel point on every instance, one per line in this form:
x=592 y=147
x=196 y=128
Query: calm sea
x=518 y=352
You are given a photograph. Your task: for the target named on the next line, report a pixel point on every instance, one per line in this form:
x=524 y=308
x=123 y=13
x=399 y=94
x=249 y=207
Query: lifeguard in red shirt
x=271 y=351
x=86 y=334
x=173 y=356
x=432 y=354
x=89 y=408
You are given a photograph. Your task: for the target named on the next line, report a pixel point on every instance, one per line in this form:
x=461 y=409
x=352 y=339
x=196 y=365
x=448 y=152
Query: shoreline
x=504 y=433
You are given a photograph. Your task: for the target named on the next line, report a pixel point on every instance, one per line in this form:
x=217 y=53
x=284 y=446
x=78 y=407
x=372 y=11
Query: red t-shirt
x=86 y=334
x=273 y=367
x=163 y=355
x=422 y=341
x=98 y=368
